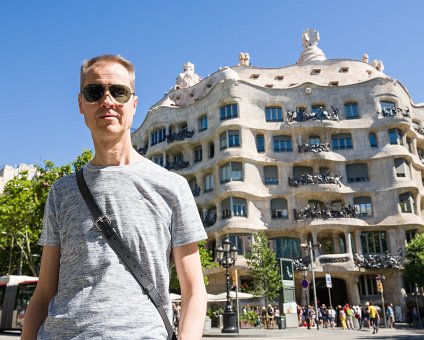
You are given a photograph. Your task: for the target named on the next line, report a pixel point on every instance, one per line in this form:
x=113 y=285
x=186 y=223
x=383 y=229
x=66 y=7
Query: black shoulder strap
x=103 y=223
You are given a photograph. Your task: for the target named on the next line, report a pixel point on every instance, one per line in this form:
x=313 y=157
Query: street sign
x=287 y=272
x=304 y=284
x=328 y=282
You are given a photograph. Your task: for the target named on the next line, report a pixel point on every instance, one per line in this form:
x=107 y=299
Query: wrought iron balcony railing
x=177 y=165
x=315 y=148
x=325 y=214
x=142 y=150
x=315 y=179
x=301 y=115
x=179 y=135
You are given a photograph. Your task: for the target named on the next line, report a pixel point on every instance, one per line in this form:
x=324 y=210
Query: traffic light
x=379 y=286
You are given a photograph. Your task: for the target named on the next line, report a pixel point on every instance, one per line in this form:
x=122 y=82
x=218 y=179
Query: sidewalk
x=402 y=332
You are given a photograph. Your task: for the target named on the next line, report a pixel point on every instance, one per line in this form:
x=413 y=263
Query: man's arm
x=46 y=289
x=193 y=292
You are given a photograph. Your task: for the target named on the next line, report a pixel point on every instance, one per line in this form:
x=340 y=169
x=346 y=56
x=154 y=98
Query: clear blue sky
x=43 y=44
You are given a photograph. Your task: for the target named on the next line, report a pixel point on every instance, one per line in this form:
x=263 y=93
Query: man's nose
x=106 y=100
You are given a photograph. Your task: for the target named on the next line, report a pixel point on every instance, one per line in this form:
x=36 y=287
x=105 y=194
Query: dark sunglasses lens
x=93 y=92
x=121 y=93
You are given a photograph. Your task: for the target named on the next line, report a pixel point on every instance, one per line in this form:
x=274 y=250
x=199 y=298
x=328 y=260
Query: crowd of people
x=267 y=316
x=346 y=317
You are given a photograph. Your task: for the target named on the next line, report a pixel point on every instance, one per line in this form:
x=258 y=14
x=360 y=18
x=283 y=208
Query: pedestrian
x=324 y=316
x=349 y=316
x=270 y=317
x=374 y=317
x=390 y=316
x=342 y=317
x=358 y=315
x=85 y=291
x=366 y=315
x=331 y=316
x=277 y=317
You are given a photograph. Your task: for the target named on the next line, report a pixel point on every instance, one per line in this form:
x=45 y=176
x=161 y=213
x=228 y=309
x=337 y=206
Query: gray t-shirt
x=153 y=210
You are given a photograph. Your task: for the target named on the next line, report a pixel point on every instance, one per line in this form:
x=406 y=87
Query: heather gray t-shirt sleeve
x=50 y=234
x=186 y=224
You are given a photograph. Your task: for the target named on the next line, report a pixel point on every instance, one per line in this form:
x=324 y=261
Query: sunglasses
x=93 y=92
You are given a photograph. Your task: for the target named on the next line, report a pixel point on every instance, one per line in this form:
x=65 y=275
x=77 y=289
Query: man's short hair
x=108 y=58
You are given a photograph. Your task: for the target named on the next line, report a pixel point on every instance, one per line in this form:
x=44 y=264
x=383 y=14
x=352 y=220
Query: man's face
x=107 y=118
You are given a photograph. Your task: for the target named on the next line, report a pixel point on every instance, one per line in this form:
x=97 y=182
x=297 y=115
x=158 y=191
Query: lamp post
x=226 y=254
x=310 y=247
x=418 y=307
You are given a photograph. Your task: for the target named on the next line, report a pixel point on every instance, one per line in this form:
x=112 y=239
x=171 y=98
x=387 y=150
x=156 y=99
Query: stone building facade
x=327 y=151
x=8 y=172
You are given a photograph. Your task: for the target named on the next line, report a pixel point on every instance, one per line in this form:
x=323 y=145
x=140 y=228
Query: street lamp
x=310 y=247
x=226 y=255
x=418 y=308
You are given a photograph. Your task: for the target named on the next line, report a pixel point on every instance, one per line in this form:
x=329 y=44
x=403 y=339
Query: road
x=298 y=333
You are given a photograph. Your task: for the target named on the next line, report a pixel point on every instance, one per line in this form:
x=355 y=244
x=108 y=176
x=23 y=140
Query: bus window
x=25 y=291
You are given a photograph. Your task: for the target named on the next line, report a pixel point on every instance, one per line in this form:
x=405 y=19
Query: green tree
x=21 y=215
x=206 y=260
x=414 y=266
x=264 y=269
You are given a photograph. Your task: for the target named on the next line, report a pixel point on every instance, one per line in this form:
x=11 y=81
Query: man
x=390 y=316
x=85 y=291
x=374 y=318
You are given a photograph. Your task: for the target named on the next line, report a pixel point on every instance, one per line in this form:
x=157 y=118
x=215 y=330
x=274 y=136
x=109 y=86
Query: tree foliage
x=263 y=267
x=21 y=215
x=414 y=266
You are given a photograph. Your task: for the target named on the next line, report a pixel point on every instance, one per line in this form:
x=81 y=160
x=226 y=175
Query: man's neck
x=110 y=152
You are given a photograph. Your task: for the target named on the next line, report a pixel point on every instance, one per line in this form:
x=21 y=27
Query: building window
x=231 y=171
x=286 y=247
x=270 y=174
x=300 y=171
x=314 y=140
x=282 y=144
x=274 y=114
x=373 y=140
x=395 y=136
x=243 y=243
x=158 y=159
x=260 y=143
x=386 y=104
x=406 y=202
x=228 y=111
x=357 y=173
x=279 y=208
x=351 y=110
x=203 y=123
x=158 y=136
x=368 y=285
x=211 y=150
x=373 y=242
x=209 y=183
x=229 y=138
x=341 y=141
x=409 y=144
x=409 y=235
x=363 y=206
x=233 y=207
x=198 y=153
x=402 y=167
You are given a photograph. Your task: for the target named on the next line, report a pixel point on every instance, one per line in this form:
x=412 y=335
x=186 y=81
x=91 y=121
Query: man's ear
x=135 y=103
x=80 y=103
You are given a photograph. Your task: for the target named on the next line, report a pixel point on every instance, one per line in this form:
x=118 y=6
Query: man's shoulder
x=160 y=176
x=65 y=182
